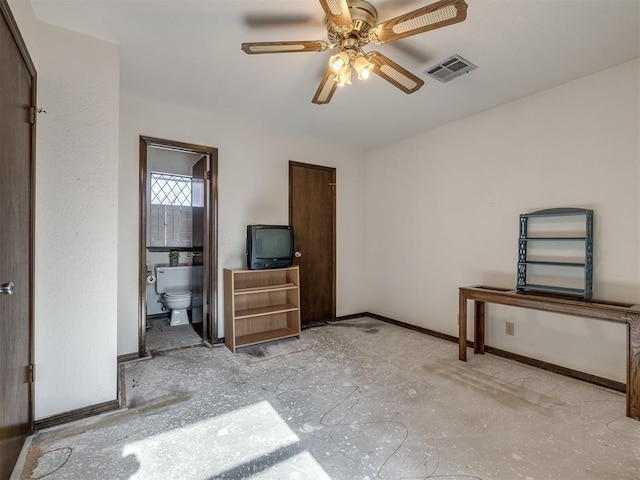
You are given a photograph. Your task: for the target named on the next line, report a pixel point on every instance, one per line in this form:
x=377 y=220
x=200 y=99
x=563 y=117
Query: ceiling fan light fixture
x=363 y=67
x=339 y=62
x=352 y=25
x=344 y=77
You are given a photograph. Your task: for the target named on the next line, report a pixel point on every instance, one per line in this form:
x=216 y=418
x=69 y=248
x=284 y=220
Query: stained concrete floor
x=358 y=399
x=161 y=336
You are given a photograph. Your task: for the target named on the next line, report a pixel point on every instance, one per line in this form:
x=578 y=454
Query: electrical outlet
x=509 y=330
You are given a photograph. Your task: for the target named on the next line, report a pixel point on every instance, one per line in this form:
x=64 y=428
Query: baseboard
x=78 y=414
x=128 y=357
x=567 y=372
x=428 y=331
x=350 y=317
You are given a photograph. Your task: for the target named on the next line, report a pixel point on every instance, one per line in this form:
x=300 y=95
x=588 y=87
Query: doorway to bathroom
x=178 y=245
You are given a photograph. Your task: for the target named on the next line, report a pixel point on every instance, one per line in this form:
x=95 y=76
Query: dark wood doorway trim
x=332 y=171
x=210 y=326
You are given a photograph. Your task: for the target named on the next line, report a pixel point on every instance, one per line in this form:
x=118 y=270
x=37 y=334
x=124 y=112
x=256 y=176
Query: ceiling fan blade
x=326 y=88
x=436 y=15
x=394 y=73
x=282 y=47
x=268 y=20
x=337 y=12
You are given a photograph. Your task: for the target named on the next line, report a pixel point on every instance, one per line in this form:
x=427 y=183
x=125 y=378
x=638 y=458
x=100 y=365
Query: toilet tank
x=173 y=279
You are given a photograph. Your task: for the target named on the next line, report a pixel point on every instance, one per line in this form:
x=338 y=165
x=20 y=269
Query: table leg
x=633 y=367
x=478 y=328
x=462 y=327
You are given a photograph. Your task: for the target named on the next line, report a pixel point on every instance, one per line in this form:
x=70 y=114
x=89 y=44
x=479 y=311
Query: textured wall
x=449 y=215
x=76 y=221
x=253 y=188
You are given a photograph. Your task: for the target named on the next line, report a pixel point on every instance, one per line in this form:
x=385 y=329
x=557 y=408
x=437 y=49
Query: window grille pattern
x=170 y=212
x=169 y=189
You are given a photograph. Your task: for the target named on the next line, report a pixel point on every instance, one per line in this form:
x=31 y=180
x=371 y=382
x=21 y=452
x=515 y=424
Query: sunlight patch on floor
x=299 y=467
x=221 y=444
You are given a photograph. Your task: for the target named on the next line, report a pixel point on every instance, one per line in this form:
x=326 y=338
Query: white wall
x=76 y=221
x=253 y=188
x=76 y=218
x=22 y=12
x=443 y=206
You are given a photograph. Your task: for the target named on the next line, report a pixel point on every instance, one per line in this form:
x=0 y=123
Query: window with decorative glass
x=170 y=210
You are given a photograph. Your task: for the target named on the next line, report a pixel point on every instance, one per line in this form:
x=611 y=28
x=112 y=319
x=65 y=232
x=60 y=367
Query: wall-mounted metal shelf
x=555 y=252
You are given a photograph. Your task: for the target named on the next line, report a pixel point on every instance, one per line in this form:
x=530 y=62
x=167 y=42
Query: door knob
x=298 y=254
x=7 y=288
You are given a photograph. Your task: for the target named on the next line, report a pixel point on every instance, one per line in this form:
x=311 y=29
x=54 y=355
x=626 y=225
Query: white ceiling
x=188 y=53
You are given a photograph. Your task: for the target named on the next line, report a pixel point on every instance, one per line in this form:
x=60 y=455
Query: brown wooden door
x=312 y=207
x=17 y=91
x=198 y=172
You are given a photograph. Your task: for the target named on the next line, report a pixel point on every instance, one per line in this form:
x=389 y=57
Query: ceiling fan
x=351 y=25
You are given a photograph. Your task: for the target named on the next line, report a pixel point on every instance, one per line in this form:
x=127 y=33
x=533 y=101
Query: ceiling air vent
x=450 y=68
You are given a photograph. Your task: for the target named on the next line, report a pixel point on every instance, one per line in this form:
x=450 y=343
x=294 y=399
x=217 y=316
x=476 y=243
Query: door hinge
x=31 y=373
x=207 y=175
x=33 y=113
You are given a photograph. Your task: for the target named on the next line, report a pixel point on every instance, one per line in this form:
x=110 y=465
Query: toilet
x=174 y=283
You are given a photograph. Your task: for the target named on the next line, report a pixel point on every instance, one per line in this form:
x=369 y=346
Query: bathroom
x=173 y=254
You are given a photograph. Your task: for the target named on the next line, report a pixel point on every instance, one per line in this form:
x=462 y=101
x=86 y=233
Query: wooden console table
x=595 y=309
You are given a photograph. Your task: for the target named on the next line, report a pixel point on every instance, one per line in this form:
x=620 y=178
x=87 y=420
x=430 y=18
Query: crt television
x=269 y=246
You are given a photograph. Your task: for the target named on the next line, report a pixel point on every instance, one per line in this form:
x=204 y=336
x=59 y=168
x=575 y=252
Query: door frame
x=31 y=113
x=331 y=170
x=210 y=253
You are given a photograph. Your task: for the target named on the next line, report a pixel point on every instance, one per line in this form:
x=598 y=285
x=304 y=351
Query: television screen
x=273 y=243
x=269 y=246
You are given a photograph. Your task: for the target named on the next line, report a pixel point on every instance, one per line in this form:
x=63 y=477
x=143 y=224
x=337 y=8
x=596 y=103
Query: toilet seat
x=177 y=294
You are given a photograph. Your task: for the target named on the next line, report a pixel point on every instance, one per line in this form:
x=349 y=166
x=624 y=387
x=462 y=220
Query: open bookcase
x=261 y=306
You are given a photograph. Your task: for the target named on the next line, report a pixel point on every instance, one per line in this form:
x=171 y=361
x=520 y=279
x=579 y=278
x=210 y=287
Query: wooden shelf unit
x=558 y=258
x=261 y=306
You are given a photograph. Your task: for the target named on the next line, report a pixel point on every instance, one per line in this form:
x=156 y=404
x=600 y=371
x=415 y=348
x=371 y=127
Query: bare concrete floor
x=358 y=399
x=161 y=336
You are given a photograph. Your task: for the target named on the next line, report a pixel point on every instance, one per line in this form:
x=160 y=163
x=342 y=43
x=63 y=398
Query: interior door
x=199 y=230
x=17 y=95
x=205 y=194
x=312 y=213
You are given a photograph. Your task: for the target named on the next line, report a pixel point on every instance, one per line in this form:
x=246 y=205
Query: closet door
x=312 y=213
x=17 y=95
